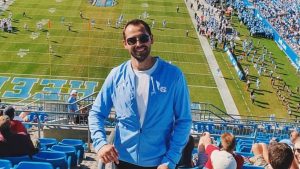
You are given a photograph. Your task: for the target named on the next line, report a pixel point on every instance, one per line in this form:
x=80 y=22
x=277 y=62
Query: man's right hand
x=108 y=153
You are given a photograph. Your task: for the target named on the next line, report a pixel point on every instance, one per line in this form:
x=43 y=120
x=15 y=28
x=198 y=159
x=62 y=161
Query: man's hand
x=163 y=166
x=108 y=153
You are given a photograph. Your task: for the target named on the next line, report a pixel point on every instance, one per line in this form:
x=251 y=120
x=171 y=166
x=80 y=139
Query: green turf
x=90 y=54
x=267 y=101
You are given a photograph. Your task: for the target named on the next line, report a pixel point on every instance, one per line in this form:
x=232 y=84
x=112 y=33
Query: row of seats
x=61 y=155
x=6 y=164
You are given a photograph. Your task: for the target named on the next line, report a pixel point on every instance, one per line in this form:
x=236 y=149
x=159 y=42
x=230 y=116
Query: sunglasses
x=143 y=38
x=297 y=150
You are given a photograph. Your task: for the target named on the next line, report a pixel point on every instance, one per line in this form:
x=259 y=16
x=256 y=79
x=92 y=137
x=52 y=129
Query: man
x=152 y=106
x=15 y=125
x=280 y=156
x=14 y=144
x=297 y=152
x=293 y=137
x=72 y=105
x=221 y=157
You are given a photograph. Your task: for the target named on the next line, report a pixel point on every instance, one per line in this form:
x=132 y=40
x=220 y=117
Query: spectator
x=72 y=105
x=14 y=144
x=297 y=152
x=252 y=96
x=293 y=136
x=16 y=126
x=150 y=96
x=260 y=151
x=186 y=155
x=280 y=156
x=222 y=157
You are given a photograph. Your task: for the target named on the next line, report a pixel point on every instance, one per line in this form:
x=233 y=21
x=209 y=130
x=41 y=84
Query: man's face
x=74 y=95
x=297 y=150
x=294 y=135
x=137 y=42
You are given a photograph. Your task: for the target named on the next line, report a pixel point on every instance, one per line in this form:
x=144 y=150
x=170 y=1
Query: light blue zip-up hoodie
x=167 y=121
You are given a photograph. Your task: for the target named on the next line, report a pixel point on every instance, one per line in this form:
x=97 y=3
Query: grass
x=90 y=53
x=267 y=100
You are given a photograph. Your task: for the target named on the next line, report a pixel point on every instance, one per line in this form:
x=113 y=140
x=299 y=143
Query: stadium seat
x=57 y=159
x=244 y=154
x=245 y=149
x=34 y=165
x=72 y=155
x=43 y=117
x=47 y=143
x=15 y=160
x=78 y=144
x=5 y=164
x=252 y=167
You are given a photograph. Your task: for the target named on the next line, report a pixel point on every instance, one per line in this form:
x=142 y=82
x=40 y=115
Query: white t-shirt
x=142 y=90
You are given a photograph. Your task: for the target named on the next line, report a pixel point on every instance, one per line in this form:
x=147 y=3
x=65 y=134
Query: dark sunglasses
x=297 y=150
x=143 y=38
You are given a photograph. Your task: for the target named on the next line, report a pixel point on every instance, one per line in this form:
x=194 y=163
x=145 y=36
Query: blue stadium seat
x=5 y=164
x=78 y=144
x=57 y=159
x=244 y=154
x=34 y=165
x=47 y=143
x=245 y=149
x=43 y=117
x=72 y=155
x=15 y=160
x=252 y=167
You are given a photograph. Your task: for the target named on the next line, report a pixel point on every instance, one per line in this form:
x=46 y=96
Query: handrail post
x=39 y=125
x=89 y=140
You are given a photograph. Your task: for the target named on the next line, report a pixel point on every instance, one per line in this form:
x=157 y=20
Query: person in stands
x=221 y=157
x=14 y=144
x=280 y=156
x=152 y=105
x=16 y=126
x=72 y=106
x=186 y=155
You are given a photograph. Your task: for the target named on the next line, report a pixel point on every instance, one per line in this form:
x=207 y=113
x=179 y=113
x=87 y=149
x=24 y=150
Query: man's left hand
x=163 y=166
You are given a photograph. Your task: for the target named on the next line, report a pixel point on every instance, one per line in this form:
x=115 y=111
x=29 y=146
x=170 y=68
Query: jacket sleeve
x=99 y=112
x=182 y=124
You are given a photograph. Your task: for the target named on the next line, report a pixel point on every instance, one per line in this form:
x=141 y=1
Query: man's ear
x=124 y=43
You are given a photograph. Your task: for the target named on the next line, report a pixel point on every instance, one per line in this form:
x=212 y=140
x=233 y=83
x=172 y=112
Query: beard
x=140 y=56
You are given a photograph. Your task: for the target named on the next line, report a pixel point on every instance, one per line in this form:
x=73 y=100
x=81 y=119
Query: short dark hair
x=280 y=155
x=137 y=22
x=10 y=112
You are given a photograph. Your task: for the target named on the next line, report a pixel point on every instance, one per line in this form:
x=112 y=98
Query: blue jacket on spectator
x=165 y=131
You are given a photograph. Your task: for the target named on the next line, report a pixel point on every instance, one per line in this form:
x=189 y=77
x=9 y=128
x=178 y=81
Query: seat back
x=5 y=164
x=57 y=159
x=15 y=160
x=252 y=167
x=78 y=144
x=34 y=165
x=70 y=151
x=47 y=143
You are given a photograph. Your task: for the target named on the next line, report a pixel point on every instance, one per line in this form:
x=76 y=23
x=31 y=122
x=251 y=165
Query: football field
x=53 y=41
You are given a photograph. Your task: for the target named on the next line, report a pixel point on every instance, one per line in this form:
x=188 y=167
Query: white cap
x=73 y=92
x=222 y=160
